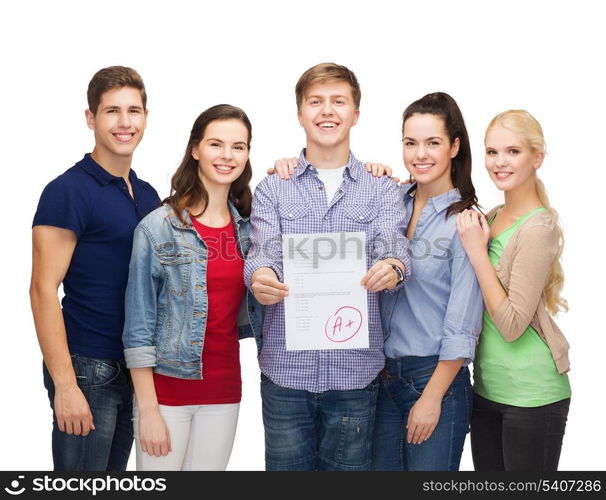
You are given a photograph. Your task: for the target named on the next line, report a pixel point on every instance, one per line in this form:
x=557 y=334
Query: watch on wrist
x=399 y=272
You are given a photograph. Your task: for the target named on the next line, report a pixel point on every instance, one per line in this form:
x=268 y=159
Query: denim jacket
x=166 y=299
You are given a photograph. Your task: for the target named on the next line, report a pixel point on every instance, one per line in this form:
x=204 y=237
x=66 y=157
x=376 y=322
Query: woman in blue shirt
x=432 y=323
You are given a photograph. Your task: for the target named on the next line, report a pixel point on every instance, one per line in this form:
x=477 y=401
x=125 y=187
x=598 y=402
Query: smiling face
x=118 y=124
x=510 y=162
x=327 y=113
x=222 y=153
x=428 y=152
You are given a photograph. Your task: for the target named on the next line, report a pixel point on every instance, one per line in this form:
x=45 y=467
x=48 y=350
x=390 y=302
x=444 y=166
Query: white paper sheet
x=326 y=307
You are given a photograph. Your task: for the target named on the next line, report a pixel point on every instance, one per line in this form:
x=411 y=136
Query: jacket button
x=497 y=267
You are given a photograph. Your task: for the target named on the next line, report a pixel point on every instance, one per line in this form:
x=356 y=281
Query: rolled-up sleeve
x=531 y=265
x=463 y=319
x=265 y=234
x=141 y=303
x=390 y=229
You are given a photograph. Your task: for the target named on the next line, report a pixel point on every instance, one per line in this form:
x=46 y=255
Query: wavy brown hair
x=186 y=188
x=445 y=107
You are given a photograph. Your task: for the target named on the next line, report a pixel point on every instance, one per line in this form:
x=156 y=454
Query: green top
x=518 y=373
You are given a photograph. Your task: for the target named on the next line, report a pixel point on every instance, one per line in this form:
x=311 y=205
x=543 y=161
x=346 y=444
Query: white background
x=490 y=56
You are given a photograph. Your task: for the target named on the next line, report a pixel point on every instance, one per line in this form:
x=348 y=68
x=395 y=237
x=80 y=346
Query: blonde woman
x=521 y=390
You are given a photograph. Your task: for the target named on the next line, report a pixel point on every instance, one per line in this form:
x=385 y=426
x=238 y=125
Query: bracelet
x=399 y=273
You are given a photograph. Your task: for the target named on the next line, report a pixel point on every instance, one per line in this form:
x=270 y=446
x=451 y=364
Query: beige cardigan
x=523 y=270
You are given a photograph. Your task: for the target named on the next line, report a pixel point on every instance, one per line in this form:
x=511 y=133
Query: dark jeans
x=513 y=438
x=329 y=430
x=402 y=384
x=107 y=387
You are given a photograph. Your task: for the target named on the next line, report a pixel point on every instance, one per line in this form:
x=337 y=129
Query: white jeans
x=202 y=437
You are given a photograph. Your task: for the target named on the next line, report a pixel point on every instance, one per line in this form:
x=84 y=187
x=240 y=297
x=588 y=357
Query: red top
x=222 y=383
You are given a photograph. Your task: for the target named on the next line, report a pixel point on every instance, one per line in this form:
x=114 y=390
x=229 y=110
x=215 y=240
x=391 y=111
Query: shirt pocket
x=360 y=216
x=293 y=217
x=428 y=263
x=177 y=264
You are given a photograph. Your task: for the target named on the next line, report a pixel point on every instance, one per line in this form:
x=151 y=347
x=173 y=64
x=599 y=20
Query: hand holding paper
x=266 y=287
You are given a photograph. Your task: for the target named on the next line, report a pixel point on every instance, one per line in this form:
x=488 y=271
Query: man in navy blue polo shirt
x=82 y=237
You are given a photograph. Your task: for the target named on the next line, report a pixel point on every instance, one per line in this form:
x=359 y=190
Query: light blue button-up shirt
x=439 y=310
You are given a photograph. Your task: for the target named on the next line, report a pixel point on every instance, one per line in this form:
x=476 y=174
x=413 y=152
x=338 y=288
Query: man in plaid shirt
x=318 y=405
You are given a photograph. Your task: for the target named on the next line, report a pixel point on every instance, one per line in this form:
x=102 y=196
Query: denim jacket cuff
x=141 y=357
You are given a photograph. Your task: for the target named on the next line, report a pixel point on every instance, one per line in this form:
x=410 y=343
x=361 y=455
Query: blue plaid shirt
x=299 y=206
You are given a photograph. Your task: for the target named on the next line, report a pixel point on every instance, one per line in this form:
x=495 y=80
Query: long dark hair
x=442 y=105
x=186 y=188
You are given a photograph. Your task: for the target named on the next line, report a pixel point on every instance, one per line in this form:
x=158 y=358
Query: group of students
x=158 y=294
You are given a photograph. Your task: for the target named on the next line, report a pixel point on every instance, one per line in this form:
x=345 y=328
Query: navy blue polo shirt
x=97 y=207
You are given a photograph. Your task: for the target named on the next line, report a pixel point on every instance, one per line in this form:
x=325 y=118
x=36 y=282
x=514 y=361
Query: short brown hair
x=327 y=72
x=110 y=78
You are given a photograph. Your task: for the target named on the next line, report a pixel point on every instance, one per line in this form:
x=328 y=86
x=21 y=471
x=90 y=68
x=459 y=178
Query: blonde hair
x=529 y=129
x=326 y=73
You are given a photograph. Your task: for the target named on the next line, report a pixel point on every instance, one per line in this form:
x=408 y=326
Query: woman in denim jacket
x=186 y=303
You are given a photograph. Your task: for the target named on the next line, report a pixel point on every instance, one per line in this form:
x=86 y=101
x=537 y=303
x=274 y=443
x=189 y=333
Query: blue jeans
x=107 y=387
x=329 y=430
x=402 y=384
